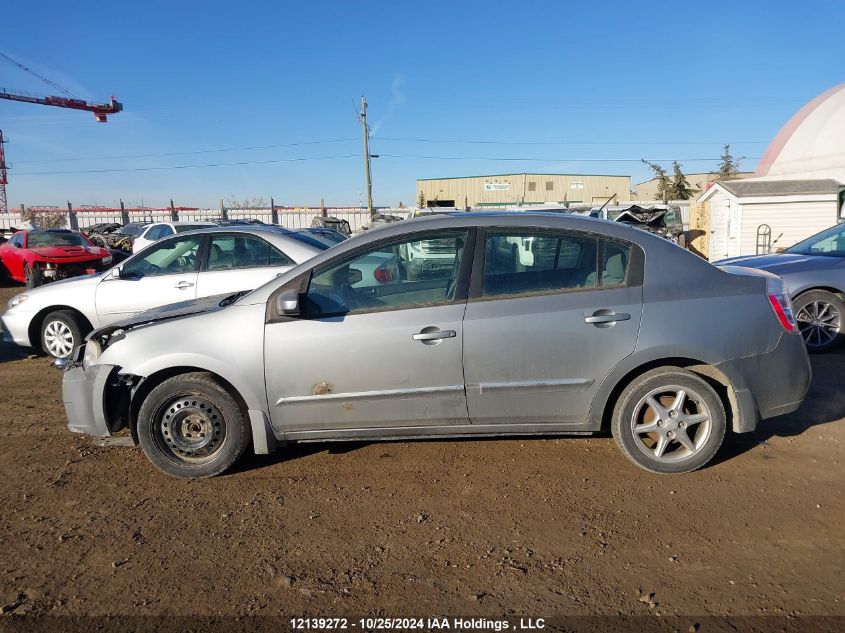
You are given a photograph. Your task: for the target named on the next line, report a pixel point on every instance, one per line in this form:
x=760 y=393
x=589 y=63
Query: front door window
x=407 y=273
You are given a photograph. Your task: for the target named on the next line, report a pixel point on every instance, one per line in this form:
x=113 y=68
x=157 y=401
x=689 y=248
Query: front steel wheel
x=820 y=316
x=669 y=420
x=191 y=426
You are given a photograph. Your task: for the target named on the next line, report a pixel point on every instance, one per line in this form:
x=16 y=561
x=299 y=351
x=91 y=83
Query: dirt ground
x=527 y=526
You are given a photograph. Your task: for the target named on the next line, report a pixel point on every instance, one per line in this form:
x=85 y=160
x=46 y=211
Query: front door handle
x=433 y=335
x=606 y=317
x=183 y=284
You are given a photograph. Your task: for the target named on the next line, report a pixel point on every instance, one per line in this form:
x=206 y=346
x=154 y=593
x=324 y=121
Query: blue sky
x=567 y=85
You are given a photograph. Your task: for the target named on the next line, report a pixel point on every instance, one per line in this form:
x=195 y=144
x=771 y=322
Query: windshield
x=132 y=230
x=49 y=238
x=830 y=242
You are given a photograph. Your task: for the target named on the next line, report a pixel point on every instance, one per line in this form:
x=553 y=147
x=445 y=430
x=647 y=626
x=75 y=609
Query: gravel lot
x=531 y=526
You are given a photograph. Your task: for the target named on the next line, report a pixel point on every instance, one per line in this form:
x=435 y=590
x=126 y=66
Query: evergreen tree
x=680 y=188
x=728 y=167
x=664 y=185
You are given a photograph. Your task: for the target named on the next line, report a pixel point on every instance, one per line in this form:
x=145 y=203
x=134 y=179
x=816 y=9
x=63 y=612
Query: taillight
x=384 y=274
x=779 y=299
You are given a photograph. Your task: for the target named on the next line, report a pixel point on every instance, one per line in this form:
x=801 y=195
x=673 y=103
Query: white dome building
x=797 y=190
x=812 y=143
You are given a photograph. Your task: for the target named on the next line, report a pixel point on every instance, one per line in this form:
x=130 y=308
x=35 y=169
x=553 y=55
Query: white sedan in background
x=158 y=231
x=220 y=260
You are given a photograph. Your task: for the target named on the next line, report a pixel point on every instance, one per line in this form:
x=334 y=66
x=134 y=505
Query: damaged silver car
x=524 y=324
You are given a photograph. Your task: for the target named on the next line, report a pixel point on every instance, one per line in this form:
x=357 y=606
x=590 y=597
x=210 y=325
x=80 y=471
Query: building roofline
x=523 y=173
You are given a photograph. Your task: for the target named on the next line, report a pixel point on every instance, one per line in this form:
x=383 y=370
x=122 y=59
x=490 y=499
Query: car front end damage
x=662 y=220
x=55 y=268
x=96 y=396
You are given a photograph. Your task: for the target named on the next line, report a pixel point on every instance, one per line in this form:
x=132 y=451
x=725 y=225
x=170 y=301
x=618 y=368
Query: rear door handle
x=433 y=335
x=183 y=284
x=606 y=316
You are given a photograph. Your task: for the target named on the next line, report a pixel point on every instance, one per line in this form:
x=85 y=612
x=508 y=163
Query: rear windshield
x=311 y=240
x=47 y=238
x=132 y=230
x=190 y=227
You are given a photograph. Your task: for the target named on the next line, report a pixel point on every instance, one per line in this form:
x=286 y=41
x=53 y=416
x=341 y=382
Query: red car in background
x=40 y=255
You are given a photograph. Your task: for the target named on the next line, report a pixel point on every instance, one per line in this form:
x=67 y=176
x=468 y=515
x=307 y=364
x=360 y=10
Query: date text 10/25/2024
x=422 y=624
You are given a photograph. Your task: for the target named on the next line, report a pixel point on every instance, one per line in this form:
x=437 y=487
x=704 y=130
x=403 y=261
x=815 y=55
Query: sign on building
x=576 y=185
x=497 y=186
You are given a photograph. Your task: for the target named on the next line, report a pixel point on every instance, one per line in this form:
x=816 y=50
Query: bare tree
x=44 y=218
x=258 y=202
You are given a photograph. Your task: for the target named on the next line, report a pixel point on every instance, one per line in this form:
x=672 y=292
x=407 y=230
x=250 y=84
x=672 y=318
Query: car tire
x=32 y=278
x=684 y=435
x=61 y=333
x=820 y=316
x=190 y=426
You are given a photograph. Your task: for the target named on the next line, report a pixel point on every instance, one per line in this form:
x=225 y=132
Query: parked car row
x=463 y=325
x=181 y=267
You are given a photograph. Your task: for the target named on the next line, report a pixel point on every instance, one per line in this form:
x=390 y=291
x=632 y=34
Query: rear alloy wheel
x=669 y=420
x=820 y=316
x=190 y=426
x=60 y=334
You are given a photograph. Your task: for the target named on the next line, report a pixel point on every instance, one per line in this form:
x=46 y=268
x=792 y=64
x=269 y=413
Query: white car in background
x=158 y=231
x=215 y=261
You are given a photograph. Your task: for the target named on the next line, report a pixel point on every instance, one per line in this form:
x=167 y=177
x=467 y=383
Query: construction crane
x=100 y=110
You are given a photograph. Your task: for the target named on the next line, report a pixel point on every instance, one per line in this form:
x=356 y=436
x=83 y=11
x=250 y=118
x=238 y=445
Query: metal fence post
x=174 y=216
x=71 y=214
x=124 y=215
x=274 y=215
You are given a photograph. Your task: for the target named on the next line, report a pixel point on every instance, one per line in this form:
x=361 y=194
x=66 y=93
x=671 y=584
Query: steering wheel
x=153 y=269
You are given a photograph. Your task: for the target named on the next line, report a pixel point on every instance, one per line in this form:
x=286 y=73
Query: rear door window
x=229 y=252
x=517 y=263
x=542 y=262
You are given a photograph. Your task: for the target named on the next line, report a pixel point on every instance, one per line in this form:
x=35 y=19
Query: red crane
x=100 y=110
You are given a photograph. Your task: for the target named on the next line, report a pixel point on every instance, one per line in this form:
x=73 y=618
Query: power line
x=35 y=74
x=165 y=168
x=347 y=140
x=187 y=153
x=573 y=143
x=545 y=159
x=560 y=160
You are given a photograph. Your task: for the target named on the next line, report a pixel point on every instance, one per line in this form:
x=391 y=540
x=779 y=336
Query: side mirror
x=354 y=276
x=287 y=303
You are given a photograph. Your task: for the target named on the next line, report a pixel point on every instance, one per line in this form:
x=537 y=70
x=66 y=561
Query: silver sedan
x=482 y=324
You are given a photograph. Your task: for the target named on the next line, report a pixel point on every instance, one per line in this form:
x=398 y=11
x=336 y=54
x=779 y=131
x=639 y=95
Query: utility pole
x=363 y=117
x=4 y=208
